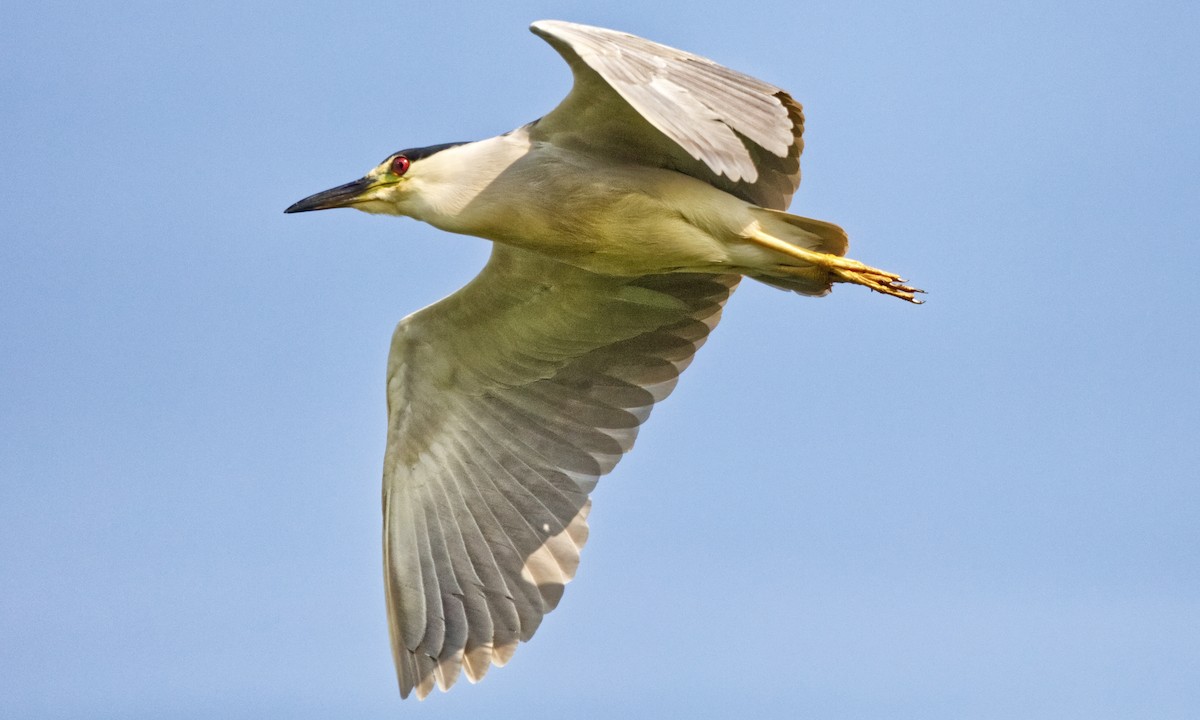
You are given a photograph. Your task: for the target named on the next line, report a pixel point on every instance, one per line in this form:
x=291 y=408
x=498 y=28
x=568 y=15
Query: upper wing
x=506 y=401
x=648 y=103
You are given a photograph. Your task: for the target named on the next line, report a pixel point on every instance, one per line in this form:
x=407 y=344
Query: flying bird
x=621 y=222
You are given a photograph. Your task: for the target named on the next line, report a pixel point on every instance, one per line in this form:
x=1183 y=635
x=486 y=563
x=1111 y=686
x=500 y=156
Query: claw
x=894 y=287
x=843 y=269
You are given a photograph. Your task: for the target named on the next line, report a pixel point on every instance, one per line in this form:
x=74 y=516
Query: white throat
x=442 y=186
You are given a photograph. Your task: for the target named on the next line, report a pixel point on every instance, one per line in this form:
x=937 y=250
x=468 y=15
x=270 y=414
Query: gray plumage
x=622 y=221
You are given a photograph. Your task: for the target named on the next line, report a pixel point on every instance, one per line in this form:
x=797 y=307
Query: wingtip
x=550 y=28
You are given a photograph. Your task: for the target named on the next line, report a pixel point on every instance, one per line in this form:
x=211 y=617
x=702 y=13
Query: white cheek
x=391 y=193
x=376 y=207
x=386 y=200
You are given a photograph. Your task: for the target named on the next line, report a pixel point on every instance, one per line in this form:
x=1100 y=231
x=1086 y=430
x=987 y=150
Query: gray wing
x=651 y=104
x=506 y=401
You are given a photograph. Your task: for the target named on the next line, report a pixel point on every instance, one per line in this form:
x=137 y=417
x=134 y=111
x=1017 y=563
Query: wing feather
x=501 y=417
x=644 y=102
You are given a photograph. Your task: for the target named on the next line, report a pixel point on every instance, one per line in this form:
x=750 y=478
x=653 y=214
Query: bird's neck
x=451 y=181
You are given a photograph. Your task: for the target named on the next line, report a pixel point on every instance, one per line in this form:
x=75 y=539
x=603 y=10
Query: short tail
x=807 y=233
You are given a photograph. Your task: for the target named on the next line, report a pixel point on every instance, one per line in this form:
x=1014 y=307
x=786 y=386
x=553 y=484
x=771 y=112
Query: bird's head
x=388 y=188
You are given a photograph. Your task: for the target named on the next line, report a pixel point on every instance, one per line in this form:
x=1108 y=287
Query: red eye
x=400 y=165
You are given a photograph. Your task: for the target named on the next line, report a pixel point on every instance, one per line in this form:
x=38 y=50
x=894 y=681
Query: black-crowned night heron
x=622 y=221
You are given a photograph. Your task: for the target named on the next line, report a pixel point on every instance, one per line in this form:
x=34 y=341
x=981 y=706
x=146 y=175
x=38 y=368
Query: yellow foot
x=842 y=269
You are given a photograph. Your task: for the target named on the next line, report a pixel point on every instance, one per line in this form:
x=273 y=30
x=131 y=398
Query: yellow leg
x=841 y=268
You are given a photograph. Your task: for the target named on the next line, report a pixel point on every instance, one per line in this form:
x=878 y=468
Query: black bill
x=340 y=196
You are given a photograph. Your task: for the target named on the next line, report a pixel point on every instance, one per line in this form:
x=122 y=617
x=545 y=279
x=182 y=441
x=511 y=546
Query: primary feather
x=506 y=401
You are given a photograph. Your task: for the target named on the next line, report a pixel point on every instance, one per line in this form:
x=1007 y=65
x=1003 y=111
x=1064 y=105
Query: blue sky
x=986 y=507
